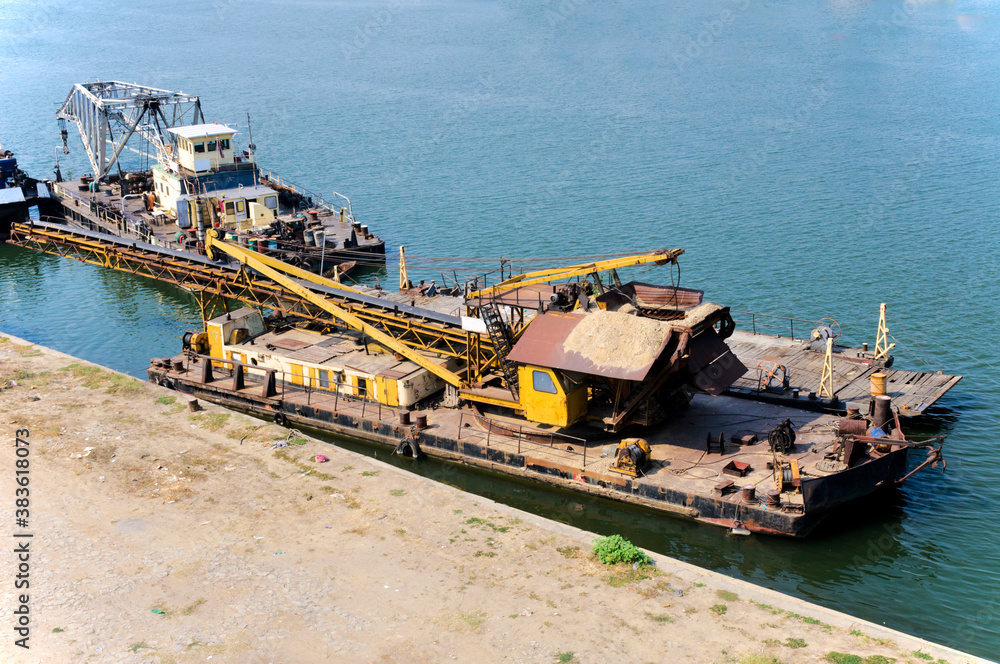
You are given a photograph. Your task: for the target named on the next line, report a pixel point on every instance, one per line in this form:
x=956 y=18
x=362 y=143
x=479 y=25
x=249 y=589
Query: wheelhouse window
x=224 y=143
x=199 y=147
x=271 y=202
x=542 y=382
x=213 y=146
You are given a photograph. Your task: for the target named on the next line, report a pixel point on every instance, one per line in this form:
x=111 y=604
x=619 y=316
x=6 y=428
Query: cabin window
x=213 y=146
x=542 y=382
x=271 y=202
x=324 y=378
x=230 y=208
x=239 y=206
x=224 y=143
x=199 y=147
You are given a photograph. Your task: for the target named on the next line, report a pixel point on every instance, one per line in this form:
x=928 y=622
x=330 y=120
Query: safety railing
x=317 y=201
x=285 y=382
x=506 y=430
x=779 y=326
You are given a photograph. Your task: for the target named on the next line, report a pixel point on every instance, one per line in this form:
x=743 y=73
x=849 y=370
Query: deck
x=103 y=211
x=911 y=391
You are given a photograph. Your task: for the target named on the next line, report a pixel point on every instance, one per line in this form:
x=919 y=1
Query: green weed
x=659 y=617
x=616 y=549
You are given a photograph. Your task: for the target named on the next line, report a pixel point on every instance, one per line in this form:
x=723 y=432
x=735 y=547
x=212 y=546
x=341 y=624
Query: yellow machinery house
x=203 y=170
x=336 y=362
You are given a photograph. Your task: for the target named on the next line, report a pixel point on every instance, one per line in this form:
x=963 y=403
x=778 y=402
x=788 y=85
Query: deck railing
x=779 y=326
x=522 y=436
x=317 y=201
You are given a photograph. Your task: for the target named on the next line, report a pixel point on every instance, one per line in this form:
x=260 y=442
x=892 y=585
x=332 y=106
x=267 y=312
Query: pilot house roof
x=202 y=130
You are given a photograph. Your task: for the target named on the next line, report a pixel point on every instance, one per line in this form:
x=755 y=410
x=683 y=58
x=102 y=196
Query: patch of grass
x=456 y=511
x=484 y=554
x=188 y=610
x=139 y=645
x=468 y=621
x=92 y=377
x=922 y=655
x=122 y=384
x=624 y=574
x=55 y=630
x=568 y=551
x=370 y=473
x=166 y=400
x=871 y=639
x=727 y=596
x=306 y=470
x=810 y=621
x=759 y=659
x=846 y=658
x=243 y=432
x=297 y=440
x=719 y=609
x=795 y=643
x=616 y=549
x=766 y=607
x=211 y=421
x=397 y=492
x=659 y=617
x=483 y=523
x=564 y=657
x=698 y=585
x=4 y=340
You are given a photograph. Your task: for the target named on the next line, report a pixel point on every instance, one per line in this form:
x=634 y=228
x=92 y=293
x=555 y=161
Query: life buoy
x=408 y=447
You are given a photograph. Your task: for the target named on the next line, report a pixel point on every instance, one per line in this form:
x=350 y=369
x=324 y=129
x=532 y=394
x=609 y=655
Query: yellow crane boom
x=279 y=272
x=659 y=257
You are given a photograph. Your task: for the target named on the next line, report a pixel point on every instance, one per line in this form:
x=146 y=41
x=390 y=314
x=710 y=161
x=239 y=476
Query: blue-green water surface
x=814 y=159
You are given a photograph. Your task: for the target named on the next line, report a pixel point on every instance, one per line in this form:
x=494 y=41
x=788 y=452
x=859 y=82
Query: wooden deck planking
x=916 y=390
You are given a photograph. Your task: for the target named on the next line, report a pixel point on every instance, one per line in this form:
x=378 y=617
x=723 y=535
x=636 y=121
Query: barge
x=200 y=179
x=566 y=376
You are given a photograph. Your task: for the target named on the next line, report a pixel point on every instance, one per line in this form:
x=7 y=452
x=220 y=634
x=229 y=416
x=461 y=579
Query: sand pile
x=613 y=339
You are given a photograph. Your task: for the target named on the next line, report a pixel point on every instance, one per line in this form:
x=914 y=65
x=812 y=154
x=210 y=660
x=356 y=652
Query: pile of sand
x=613 y=339
x=620 y=339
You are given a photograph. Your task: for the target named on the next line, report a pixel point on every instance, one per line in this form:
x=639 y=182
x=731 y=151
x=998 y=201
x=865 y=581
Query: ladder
x=502 y=340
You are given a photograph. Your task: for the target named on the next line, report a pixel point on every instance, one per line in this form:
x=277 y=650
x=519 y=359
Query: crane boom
x=253 y=260
x=660 y=257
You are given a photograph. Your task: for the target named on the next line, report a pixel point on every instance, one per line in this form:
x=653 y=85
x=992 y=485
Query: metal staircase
x=503 y=341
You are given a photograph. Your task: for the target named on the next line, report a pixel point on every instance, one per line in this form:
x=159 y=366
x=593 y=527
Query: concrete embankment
x=166 y=535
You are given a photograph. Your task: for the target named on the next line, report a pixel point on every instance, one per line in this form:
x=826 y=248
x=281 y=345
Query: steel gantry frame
x=109 y=113
x=214 y=285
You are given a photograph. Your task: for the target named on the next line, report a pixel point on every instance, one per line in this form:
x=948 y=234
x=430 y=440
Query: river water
x=814 y=159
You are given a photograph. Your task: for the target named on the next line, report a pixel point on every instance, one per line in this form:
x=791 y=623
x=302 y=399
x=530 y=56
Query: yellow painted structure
x=548 y=398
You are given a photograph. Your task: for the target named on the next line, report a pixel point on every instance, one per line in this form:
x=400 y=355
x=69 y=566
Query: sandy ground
x=163 y=535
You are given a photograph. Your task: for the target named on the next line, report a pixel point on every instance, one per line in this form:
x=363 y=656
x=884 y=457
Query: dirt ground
x=164 y=535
